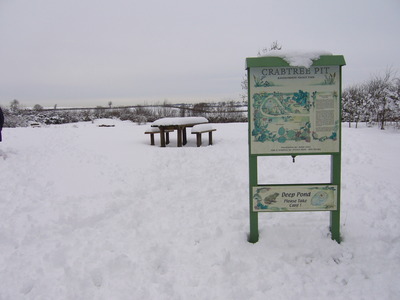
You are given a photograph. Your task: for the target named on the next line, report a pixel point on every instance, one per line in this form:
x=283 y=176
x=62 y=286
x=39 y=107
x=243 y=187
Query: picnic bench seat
x=154 y=130
x=198 y=130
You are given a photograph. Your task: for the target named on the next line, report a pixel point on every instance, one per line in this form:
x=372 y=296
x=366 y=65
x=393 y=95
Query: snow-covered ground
x=90 y=212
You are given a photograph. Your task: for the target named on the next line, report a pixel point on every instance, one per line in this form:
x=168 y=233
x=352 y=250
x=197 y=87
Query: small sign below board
x=295 y=198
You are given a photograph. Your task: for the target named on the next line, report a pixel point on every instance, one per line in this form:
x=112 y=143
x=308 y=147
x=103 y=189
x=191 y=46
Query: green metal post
x=335 y=215
x=336 y=174
x=253 y=177
x=253 y=236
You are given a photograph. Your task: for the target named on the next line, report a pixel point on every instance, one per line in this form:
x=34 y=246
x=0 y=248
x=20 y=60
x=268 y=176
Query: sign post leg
x=335 y=215
x=253 y=236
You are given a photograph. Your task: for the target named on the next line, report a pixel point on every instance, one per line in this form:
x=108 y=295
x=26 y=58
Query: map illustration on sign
x=288 y=110
x=294 y=110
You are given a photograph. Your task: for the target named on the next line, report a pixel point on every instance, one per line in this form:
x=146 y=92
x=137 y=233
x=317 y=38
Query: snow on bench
x=203 y=128
x=155 y=130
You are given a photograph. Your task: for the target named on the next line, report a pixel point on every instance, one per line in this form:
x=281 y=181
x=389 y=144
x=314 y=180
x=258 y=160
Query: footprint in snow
x=97 y=278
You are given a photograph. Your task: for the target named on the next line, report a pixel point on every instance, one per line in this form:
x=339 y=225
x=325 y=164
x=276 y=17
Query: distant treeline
x=221 y=112
x=376 y=101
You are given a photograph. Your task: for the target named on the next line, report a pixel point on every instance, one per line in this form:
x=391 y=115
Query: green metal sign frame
x=294 y=111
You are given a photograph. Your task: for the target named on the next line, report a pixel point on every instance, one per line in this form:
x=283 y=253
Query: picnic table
x=178 y=124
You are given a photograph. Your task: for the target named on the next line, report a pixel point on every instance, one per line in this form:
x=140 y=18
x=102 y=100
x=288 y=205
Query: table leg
x=179 y=130
x=184 y=136
x=162 y=136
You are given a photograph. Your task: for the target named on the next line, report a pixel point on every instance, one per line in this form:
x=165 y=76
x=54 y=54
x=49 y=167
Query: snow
x=90 y=212
x=298 y=58
x=179 y=121
x=202 y=127
x=152 y=129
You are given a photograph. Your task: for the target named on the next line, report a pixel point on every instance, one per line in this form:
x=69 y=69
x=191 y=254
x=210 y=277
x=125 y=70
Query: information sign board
x=294 y=109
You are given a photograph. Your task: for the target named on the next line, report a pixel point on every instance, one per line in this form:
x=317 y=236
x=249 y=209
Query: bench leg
x=210 y=138
x=198 y=138
x=152 y=139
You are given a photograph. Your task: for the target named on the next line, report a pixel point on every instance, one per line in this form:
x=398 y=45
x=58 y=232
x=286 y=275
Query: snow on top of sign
x=298 y=58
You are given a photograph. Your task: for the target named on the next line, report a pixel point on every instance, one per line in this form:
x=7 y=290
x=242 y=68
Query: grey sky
x=89 y=52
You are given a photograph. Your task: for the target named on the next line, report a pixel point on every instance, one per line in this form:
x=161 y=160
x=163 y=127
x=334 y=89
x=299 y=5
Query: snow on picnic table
x=90 y=212
x=179 y=121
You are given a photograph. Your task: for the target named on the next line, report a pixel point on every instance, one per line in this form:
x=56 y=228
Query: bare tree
x=37 y=107
x=244 y=83
x=382 y=98
x=14 y=106
x=353 y=104
x=274 y=46
x=396 y=116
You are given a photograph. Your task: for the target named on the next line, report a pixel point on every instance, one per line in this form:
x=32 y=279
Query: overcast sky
x=90 y=52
